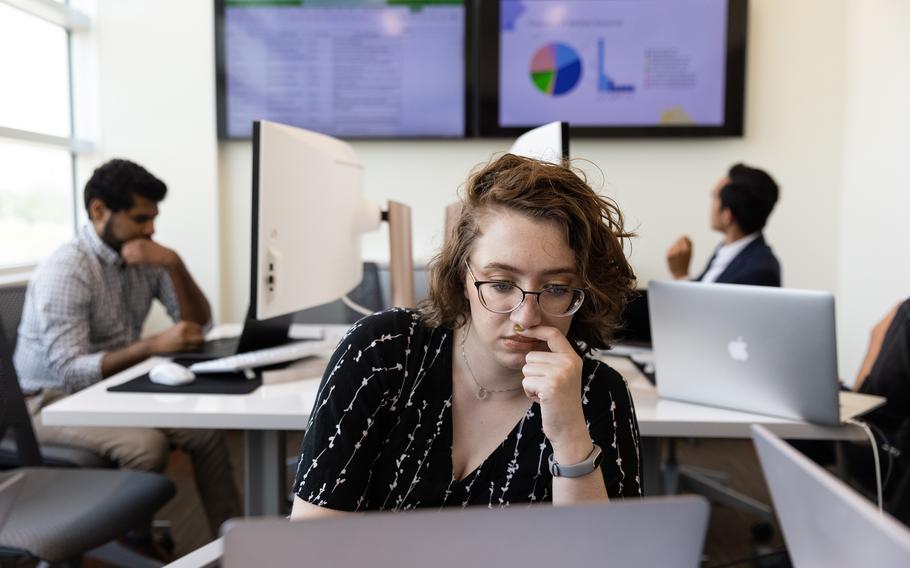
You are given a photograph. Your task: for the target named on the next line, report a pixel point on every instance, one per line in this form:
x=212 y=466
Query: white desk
x=266 y=413
x=660 y=418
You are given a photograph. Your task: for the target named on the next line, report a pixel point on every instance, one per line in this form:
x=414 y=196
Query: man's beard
x=107 y=235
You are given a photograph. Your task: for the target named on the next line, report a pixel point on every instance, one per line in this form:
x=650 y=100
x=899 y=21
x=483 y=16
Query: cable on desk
x=878 y=467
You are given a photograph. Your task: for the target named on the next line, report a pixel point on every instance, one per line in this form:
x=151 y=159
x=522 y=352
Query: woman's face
x=531 y=254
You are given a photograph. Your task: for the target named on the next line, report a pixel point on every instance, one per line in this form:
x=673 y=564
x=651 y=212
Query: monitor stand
x=401 y=255
x=256 y=334
x=261 y=334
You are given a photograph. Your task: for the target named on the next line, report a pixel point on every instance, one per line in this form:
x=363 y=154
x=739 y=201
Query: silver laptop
x=824 y=522
x=667 y=532
x=754 y=348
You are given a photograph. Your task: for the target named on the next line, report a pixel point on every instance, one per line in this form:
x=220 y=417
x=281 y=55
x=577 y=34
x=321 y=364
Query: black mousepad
x=215 y=383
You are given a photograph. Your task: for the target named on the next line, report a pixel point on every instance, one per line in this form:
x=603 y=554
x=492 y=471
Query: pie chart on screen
x=555 y=69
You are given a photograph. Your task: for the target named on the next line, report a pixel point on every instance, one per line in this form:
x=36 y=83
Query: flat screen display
x=346 y=68
x=613 y=67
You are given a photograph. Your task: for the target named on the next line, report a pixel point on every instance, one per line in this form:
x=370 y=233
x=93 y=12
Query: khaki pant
x=148 y=449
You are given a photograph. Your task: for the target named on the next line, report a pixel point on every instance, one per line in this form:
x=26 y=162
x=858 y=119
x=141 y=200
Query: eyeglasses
x=504 y=297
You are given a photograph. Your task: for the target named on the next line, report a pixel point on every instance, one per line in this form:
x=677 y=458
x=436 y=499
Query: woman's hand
x=553 y=379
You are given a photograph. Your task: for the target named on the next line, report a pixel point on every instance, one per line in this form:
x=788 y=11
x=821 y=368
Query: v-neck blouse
x=380 y=434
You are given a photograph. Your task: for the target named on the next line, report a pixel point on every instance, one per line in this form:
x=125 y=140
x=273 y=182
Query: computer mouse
x=171 y=374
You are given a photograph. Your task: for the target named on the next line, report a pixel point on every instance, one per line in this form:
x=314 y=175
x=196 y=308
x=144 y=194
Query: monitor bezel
x=485 y=17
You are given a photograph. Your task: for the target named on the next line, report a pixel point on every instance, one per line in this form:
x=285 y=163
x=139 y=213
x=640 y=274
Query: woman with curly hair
x=487 y=394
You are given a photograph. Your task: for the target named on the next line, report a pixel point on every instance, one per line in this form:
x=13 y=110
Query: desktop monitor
x=308 y=215
x=825 y=522
x=351 y=68
x=548 y=143
x=610 y=67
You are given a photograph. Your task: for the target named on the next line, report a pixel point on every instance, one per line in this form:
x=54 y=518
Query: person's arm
x=679 y=256
x=876 y=338
x=302 y=510
x=553 y=380
x=192 y=304
x=184 y=336
x=63 y=299
x=345 y=432
x=614 y=426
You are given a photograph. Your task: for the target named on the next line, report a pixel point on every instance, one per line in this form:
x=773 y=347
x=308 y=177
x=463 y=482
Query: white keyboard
x=260 y=358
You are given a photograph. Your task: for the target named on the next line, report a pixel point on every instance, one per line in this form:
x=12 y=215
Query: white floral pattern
x=380 y=433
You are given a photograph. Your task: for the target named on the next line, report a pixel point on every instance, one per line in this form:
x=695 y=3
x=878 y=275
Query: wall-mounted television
x=346 y=68
x=611 y=67
x=394 y=69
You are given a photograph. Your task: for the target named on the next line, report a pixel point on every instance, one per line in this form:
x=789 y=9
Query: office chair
x=12 y=300
x=61 y=514
x=709 y=483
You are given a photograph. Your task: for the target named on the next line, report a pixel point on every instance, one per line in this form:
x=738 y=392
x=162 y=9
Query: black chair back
x=13 y=412
x=12 y=300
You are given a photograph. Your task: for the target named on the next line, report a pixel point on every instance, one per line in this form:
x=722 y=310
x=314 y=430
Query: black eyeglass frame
x=524 y=295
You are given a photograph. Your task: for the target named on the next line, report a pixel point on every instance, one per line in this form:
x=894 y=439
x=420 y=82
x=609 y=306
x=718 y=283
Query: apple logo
x=738 y=349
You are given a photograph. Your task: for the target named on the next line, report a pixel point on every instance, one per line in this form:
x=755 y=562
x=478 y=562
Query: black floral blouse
x=380 y=434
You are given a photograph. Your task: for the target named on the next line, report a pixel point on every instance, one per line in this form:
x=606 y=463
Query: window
x=38 y=147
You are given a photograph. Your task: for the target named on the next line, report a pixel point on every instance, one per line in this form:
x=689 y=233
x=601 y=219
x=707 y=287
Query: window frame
x=72 y=21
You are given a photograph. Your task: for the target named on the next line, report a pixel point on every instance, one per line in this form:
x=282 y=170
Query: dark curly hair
x=116 y=181
x=592 y=225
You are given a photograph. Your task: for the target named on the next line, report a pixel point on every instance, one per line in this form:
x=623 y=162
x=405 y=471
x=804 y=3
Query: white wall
x=156 y=95
x=874 y=272
x=826 y=115
x=794 y=124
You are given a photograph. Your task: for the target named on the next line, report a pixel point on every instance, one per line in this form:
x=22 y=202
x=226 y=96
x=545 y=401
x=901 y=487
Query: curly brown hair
x=592 y=225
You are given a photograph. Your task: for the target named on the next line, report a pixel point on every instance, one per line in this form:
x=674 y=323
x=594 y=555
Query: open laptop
x=754 y=348
x=667 y=532
x=824 y=522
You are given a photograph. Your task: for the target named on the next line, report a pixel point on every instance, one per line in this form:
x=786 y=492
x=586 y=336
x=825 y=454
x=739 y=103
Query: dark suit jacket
x=755 y=264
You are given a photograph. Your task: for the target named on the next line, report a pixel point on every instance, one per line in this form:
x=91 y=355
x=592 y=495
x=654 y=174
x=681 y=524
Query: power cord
x=890 y=451
x=356 y=307
x=878 y=467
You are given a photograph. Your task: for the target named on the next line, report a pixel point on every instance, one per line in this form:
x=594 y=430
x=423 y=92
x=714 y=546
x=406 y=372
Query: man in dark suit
x=740 y=205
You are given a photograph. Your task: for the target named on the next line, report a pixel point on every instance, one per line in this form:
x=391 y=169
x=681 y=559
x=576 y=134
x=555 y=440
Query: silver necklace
x=482 y=391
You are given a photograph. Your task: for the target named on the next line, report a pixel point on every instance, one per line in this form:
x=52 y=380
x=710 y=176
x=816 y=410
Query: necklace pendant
x=482 y=393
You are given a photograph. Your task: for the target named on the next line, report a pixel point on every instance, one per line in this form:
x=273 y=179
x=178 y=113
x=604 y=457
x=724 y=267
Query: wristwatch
x=579 y=469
